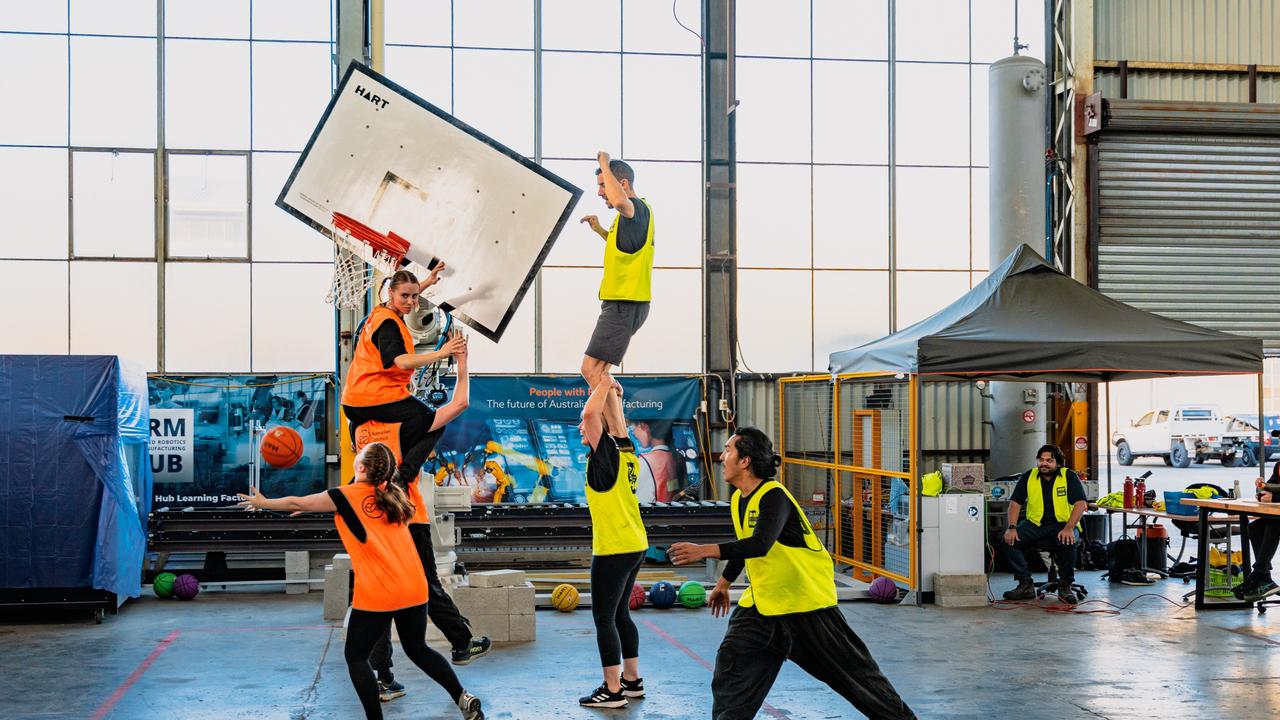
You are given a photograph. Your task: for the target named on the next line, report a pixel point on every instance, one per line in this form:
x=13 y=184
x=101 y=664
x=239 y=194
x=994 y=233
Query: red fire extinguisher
x=1128 y=493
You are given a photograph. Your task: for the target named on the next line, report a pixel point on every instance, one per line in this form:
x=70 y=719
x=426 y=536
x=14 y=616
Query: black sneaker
x=1068 y=596
x=1134 y=576
x=1244 y=588
x=1026 y=590
x=390 y=690
x=478 y=648
x=602 y=698
x=470 y=706
x=1263 y=589
x=633 y=688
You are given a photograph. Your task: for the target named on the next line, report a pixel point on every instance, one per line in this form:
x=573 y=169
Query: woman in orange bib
x=377 y=383
x=371 y=514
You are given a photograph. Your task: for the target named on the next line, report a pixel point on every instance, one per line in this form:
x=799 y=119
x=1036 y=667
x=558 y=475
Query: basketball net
x=360 y=248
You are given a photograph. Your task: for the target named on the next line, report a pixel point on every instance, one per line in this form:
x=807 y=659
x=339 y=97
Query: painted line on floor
x=771 y=710
x=262 y=628
x=110 y=702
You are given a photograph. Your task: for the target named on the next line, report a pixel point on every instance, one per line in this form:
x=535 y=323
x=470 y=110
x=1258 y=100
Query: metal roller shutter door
x=1189 y=227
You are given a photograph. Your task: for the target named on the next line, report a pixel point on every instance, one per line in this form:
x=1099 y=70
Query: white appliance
x=955 y=535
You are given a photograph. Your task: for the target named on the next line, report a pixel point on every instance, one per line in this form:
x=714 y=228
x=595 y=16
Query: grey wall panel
x=1189 y=227
x=1199 y=31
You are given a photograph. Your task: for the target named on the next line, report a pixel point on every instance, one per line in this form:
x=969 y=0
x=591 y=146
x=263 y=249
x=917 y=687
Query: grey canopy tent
x=1029 y=322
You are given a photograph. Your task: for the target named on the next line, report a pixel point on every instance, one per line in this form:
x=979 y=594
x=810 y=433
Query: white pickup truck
x=1176 y=435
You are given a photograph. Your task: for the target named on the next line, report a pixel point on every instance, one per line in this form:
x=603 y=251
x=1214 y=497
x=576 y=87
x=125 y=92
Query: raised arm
x=593 y=414
x=613 y=191
x=461 y=399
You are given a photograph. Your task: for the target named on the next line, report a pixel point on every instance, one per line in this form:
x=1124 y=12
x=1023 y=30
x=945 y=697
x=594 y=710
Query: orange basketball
x=282 y=447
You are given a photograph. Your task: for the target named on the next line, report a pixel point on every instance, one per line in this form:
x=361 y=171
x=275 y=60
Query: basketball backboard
x=400 y=165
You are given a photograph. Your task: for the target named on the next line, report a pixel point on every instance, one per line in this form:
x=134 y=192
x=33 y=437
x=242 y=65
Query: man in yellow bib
x=789 y=612
x=628 y=267
x=1054 y=498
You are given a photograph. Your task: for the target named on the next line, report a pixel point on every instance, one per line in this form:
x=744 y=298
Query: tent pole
x=1262 y=433
x=1106 y=442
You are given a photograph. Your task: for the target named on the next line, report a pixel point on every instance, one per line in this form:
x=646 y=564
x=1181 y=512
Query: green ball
x=692 y=594
x=163 y=585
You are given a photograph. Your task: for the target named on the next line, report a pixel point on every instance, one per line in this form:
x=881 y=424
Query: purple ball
x=186 y=587
x=882 y=590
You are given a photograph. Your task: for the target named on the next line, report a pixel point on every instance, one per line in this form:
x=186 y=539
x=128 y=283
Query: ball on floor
x=883 y=590
x=662 y=595
x=636 y=601
x=186 y=587
x=162 y=586
x=692 y=594
x=564 y=598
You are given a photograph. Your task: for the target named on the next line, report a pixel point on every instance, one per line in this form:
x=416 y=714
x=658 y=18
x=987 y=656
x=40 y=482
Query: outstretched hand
x=456 y=345
x=433 y=277
x=594 y=223
x=251 y=500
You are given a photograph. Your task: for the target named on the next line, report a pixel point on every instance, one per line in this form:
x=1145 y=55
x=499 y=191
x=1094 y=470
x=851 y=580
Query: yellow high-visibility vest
x=627 y=276
x=616 y=527
x=1035 y=497
x=787 y=579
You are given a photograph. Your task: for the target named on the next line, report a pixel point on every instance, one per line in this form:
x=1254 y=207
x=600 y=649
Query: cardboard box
x=964 y=476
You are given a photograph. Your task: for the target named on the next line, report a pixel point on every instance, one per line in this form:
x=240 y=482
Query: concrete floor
x=258 y=655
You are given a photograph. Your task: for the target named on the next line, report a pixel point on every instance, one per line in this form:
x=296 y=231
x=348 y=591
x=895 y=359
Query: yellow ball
x=564 y=598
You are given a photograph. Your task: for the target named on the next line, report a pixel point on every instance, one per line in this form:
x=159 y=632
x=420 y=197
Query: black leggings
x=363 y=631
x=611 y=579
x=416 y=438
x=440 y=607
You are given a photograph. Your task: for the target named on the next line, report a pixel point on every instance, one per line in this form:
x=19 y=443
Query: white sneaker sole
x=390 y=696
x=610 y=704
x=633 y=693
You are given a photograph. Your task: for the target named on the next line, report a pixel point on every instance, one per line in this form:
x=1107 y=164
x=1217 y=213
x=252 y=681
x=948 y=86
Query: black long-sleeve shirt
x=777 y=522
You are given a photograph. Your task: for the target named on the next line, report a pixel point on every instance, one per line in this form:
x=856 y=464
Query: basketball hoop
x=360 y=246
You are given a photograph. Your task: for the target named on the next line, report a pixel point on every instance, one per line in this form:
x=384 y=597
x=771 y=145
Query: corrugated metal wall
x=1241 y=32
x=1198 y=31
x=1189 y=227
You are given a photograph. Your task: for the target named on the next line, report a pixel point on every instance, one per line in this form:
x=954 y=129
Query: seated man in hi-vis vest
x=789 y=612
x=1054 y=498
x=628 y=269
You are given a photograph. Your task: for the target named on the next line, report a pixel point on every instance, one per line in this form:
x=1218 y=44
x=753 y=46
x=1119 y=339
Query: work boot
x=1067 y=596
x=1026 y=590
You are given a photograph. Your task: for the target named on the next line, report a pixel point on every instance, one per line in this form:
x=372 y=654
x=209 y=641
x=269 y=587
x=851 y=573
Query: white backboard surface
x=397 y=163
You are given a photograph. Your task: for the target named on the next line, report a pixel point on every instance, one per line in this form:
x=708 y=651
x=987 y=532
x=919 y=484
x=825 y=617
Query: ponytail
x=380 y=469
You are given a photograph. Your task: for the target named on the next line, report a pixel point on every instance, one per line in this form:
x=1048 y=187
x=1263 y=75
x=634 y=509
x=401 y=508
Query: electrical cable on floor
x=1110 y=609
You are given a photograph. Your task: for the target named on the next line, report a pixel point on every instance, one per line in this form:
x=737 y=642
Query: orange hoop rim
x=390 y=244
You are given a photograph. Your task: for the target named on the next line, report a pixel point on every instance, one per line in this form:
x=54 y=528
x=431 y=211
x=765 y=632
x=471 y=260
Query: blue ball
x=662 y=595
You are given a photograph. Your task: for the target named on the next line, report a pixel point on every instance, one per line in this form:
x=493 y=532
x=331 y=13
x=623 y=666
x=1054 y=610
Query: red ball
x=636 y=601
x=282 y=447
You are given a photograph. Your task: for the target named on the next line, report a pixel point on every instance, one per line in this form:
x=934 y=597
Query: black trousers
x=1264 y=537
x=820 y=642
x=416 y=438
x=363 y=631
x=1031 y=536
x=440 y=608
x=611 y=579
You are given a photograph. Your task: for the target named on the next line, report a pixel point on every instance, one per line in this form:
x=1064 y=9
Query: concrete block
x=497 y=578
x=520 y=600
x=297 y=562
x=297 y=566
x=337 y=592
x=959 y=601
x=342 y=561
x=497 y=627
x=480 y=601
x=959 y=584
x=523 y=628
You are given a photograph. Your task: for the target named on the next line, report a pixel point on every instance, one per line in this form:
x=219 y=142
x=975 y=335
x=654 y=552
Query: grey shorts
x=619 y=321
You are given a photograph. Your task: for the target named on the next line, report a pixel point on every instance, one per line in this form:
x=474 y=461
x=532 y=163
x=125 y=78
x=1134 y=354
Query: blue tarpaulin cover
x=75 y=478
